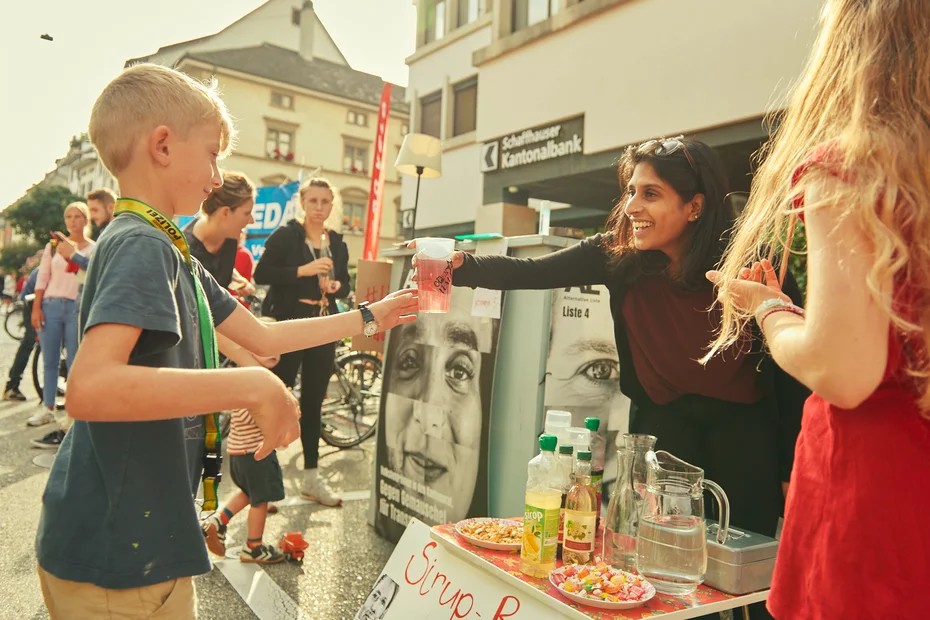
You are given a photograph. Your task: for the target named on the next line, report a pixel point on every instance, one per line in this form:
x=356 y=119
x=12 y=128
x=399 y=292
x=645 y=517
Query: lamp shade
x=420 y=150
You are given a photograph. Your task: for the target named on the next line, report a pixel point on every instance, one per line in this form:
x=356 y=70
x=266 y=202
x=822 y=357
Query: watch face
x=371 y=329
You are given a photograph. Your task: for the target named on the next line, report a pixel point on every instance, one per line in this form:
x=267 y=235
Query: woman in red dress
x=852 y=159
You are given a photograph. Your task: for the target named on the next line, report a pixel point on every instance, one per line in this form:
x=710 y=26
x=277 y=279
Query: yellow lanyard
x=213 y=440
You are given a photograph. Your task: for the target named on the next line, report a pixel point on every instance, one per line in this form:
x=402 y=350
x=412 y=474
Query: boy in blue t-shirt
x=119 y=533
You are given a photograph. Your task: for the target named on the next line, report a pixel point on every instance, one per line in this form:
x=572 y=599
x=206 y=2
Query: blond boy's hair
x=146 y=96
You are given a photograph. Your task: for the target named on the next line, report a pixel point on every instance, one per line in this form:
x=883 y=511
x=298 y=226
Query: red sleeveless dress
x=856 y=540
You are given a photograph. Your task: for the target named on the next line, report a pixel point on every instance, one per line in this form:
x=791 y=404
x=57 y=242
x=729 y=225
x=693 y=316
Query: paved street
x=343 y=561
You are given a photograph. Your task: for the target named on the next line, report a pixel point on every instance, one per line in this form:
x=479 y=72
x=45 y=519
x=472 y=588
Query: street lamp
x=420 y=155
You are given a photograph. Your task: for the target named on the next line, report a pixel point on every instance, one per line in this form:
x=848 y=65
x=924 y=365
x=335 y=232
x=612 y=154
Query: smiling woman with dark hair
x=669 y=228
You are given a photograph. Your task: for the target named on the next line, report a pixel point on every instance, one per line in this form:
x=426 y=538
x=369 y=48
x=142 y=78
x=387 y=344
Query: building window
x=431 y=114
x=469 y=11
x=529 y=12
x=435 y=20
x=281 y=100
x=356 y=159
x=357 y=118
x=295 y=16
x=400 y=224
x=353 y=217
x=465 y=107
x=279 y=144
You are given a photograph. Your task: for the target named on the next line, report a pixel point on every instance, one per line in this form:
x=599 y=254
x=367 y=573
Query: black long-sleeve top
x=285 y=251
x=587 y=264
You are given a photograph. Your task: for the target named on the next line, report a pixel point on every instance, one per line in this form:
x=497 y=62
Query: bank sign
x=535 y=145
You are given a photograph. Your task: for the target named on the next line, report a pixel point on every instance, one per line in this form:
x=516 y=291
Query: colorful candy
x=601 y=582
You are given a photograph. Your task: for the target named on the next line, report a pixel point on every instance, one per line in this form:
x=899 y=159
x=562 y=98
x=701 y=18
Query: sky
x=47 y=88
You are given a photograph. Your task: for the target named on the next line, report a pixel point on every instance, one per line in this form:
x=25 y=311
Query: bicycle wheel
x=38 y=372
x=353 y=398
x=15 y=324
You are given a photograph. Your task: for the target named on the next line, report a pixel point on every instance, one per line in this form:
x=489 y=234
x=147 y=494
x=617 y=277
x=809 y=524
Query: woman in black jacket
x=739 y=416
x=305 y=283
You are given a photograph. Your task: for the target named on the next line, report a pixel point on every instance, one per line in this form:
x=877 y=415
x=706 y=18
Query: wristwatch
x=371 y=325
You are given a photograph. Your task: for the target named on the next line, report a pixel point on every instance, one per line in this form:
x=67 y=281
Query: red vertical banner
x=376 y=193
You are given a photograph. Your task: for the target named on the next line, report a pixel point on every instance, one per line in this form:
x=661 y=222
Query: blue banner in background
x=274 y=206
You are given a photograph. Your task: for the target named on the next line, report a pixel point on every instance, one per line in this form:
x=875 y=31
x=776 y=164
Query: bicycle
x=15 y=320
x=352 y=404
x=38 y=372
x=353 y=400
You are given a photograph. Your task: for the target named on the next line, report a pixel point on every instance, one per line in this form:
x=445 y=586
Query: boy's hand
x=396 y=308
x=268 y=362
x=277 y=415
x=65 y=249
x=315 y=268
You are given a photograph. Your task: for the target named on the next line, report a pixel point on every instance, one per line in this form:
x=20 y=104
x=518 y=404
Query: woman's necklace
x=324 y=300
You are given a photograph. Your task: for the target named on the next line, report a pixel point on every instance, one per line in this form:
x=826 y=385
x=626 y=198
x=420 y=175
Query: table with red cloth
x=505 y=565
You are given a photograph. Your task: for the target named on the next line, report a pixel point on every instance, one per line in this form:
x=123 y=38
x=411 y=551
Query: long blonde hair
x=865 y=96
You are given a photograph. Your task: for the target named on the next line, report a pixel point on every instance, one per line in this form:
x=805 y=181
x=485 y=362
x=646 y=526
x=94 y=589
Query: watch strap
x=367 y=315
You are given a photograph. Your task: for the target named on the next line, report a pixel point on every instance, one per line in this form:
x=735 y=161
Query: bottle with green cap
x=567 y=465
x=598 y=456
x=541 y=518
x=580 y=514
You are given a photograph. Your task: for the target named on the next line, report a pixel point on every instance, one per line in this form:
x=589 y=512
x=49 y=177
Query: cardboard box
x=372 y=284
x=506 y=219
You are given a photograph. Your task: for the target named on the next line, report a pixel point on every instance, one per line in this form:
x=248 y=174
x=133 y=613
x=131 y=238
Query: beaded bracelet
x=786 y=308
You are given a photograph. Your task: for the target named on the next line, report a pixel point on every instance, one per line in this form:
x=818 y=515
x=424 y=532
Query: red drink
x=434 y=284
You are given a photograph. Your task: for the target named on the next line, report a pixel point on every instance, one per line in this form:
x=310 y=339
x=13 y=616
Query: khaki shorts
x=70 y=600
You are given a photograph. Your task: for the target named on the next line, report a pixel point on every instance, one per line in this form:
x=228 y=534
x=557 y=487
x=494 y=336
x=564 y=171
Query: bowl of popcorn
x=490 y=533
x=602 y=586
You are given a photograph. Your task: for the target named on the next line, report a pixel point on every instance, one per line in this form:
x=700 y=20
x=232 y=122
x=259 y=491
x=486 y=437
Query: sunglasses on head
x=668 y=146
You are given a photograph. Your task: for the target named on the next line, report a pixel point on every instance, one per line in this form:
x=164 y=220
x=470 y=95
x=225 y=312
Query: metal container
x=743 y=564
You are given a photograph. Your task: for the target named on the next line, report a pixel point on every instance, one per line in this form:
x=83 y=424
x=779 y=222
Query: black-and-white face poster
x=434 y=424
x=583 y=368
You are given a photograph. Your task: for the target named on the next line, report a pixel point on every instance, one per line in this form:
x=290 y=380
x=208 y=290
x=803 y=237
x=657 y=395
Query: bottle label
x=540 y=534
x=580 y=530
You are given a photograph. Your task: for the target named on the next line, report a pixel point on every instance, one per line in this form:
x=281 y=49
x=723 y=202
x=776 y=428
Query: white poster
x=583 y=368
x=423 y=581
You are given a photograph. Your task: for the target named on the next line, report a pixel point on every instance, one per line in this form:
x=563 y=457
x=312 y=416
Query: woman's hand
x=38 y=317
x=458 y=258
x=395 y=309
x=329 y=286
x=753 y=287
x=318 y=267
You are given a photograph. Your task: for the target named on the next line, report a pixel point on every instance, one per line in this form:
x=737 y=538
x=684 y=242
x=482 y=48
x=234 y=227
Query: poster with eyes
x=435 y=418
x=583 y=368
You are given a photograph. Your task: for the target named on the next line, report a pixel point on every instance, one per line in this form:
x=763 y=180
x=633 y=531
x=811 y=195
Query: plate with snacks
x=489 y=533
x=602 y=586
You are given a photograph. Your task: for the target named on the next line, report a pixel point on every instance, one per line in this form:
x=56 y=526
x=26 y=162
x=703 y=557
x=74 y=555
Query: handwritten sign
x=372 y=284
x=423 y=581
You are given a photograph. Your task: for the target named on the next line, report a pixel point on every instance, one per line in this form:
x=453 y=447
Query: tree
x=40 y=212
x=14 y=256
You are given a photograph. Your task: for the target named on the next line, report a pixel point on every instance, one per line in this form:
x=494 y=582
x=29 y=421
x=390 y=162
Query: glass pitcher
x=671 y=545
x=622 y=521
x=641 y=445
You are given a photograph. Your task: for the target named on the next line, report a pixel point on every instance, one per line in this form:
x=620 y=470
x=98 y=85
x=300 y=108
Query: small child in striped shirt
x=259 y=482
